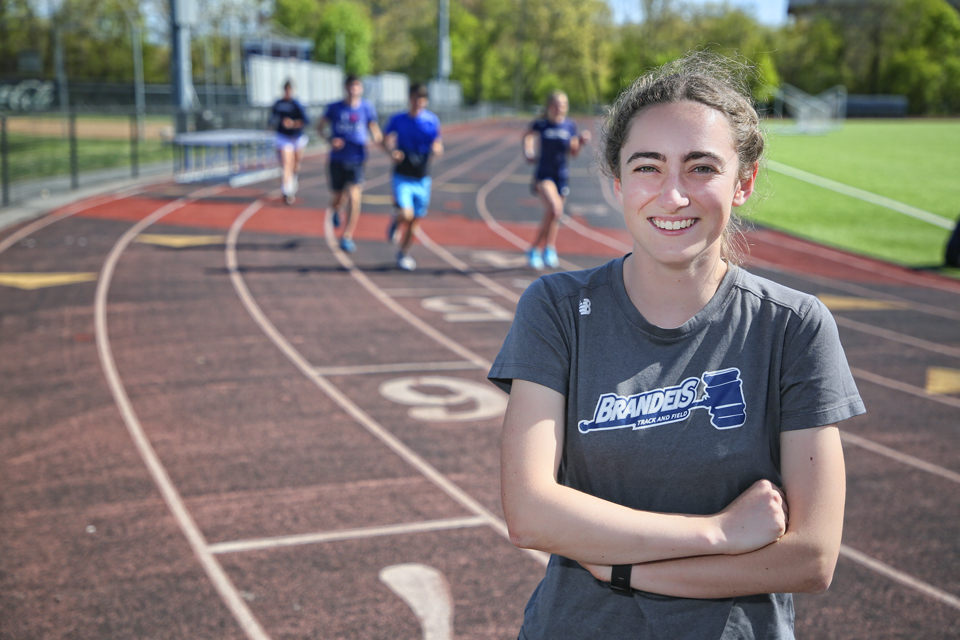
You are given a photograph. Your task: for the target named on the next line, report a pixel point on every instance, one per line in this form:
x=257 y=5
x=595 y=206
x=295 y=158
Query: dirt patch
x=87 y=128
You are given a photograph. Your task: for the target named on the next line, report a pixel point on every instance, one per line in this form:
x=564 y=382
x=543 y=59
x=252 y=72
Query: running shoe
x=534 y=259
x=347 y=245
x=405 y=262
x=289 y=199
x=336 y=219
x=392 y=232
x=550 y=257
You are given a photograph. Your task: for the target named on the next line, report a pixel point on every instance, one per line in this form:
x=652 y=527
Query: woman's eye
x=704 y=168
x=645 y=169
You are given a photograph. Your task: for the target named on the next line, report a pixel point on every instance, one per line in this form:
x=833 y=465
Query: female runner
x=667 y=407
x=558 y=138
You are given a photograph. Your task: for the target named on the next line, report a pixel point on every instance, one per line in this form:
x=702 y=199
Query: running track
x=217 y=425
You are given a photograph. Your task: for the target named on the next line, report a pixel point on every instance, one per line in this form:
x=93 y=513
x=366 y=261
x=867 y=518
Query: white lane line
x=904 y=458
x=492 y=223
x=395 y=444
x=860 y=194
x=347 y=534
x=859 y=290
x=519 y=242
x=899 y=576
x=896 y=336
x=463 y=167
x=405 y=367
x=449 y=257
x=398 y=309
x=221 y=582
x=870 y=265
x=596 y=236
x=484 y=212
x=71 y=210
x=410 y=292
x=896 y=385
x=464 y=268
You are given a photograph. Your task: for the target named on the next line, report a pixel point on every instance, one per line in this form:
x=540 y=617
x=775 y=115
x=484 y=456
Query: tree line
x=520 y=50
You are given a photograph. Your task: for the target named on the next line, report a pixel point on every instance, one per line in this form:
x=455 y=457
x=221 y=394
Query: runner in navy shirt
x=558 y=138
x=350 y=120
x=411 y=137
x=288 y=117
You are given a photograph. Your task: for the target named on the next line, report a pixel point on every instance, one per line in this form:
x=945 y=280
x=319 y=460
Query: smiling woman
x=671 y=431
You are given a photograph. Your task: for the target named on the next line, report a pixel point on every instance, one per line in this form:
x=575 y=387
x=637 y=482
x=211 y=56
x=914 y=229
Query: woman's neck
x=668 y=297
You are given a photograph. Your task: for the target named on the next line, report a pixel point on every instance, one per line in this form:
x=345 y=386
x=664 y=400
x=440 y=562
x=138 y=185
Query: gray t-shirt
x=671 y=420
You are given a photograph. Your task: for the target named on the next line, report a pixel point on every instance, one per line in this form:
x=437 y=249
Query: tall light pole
x=136 y=41
x=62 y=90
x=183 y=15
x=444 y=65
x=341 y=52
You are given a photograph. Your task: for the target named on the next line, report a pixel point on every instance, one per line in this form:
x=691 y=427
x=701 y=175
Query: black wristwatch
x=620 y=578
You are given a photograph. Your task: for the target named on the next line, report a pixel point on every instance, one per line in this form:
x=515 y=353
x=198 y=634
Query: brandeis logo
x=722 y=398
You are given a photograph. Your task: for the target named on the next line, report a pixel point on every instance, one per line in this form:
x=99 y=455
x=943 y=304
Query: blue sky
x=772 y=12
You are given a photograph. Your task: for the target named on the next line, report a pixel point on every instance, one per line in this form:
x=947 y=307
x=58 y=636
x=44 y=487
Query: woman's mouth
x=672 y=225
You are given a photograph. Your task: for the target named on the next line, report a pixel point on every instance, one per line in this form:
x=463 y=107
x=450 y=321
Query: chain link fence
x=50 y=152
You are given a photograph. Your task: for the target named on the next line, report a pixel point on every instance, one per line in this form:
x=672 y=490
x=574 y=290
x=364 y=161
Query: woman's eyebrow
x=700 y=155
x=653 y=155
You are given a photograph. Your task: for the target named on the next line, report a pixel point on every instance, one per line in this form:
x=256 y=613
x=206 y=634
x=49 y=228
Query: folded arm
x=802 y=561
x=543 y=514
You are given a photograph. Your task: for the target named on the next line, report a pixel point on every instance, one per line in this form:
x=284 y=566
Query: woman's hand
x=585 y=137
x=397 y=156
x=336 y=143
x=755 y=519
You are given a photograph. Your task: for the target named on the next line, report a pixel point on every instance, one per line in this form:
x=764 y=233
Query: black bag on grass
x=952 y=257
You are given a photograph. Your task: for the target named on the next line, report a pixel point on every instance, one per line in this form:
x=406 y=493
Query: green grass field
x=34 y=157
x=911 y=161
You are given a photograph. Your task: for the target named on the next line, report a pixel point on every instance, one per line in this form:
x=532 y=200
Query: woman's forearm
x=545 y=515
x=802 y=561
x=790 y=565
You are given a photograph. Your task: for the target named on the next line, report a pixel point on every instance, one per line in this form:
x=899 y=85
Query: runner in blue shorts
x=411 y=137
x=288 y=117
x=558 y=139
x=350 y=120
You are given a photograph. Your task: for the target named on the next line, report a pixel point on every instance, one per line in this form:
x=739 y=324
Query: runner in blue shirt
x=558 y=138
x=350 y=120
x=410 y=138
x=288 y=118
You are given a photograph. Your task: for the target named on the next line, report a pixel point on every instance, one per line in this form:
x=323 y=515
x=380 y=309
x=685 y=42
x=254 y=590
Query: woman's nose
x=672 y=194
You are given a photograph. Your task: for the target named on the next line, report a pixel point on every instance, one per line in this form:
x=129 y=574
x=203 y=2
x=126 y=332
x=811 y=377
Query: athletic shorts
x=560 y=181
x=344 y=173
x=295 y=143
x=412 y=193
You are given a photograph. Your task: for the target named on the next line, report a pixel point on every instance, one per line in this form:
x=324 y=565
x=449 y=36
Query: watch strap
x=620 y=578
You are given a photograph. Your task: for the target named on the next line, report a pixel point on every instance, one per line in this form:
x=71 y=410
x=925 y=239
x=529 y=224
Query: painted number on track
x=440 y=399
x=467 y=309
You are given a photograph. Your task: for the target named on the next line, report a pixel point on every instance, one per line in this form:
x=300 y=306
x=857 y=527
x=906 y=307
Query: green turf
x=911 y=161
x=39 y=157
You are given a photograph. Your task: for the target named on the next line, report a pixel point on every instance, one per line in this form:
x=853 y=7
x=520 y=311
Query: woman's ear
x=618 y=190
x=745 y=187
